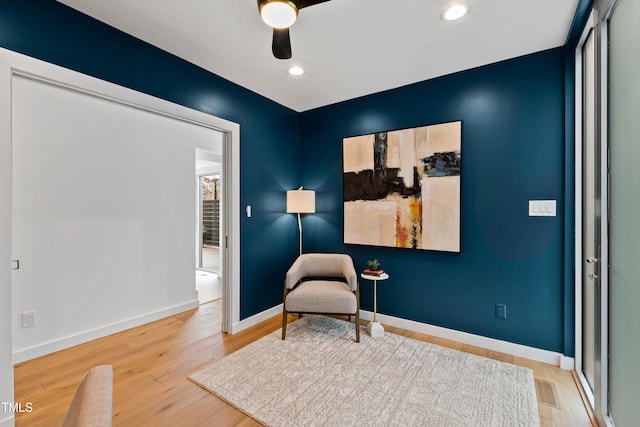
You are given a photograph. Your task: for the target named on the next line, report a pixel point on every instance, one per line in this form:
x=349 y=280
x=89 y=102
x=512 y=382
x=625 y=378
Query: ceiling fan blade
x=281 y=46
x=307 y=3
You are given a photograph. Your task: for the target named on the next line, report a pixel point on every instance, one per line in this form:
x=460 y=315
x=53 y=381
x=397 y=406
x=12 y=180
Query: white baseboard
x=532 y=353
x=7 y=422
x=255 y=319
x=70 y=341
x=567 y=363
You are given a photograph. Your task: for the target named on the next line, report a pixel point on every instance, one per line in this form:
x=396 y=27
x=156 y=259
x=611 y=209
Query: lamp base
x=375 y=330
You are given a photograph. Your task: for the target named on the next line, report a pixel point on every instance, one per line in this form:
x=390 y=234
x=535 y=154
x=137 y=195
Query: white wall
x=208 y=163
x=103 y=212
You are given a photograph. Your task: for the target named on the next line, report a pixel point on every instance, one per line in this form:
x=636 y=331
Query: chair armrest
x=295 y=273
x=349 y=272
x=92 y=403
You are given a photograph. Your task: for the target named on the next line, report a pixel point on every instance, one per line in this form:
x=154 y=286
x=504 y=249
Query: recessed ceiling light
x=296 y=71
x=455 y=11
x=278 y=13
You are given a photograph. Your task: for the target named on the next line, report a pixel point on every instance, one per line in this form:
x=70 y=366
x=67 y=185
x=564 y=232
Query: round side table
x=374 y=328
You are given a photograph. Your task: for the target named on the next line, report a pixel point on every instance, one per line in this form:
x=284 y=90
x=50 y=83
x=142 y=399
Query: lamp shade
x=301 y=201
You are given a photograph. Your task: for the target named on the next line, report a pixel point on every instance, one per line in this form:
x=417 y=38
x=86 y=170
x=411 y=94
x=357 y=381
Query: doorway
x=591 y=220
x=588 y=218
x=209 y=237
x=135 y=227
x=209 y=270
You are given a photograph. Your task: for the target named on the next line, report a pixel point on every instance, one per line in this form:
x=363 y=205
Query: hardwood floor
x=152 y=362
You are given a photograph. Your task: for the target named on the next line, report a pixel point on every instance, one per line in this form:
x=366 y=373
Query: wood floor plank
x=152 y=363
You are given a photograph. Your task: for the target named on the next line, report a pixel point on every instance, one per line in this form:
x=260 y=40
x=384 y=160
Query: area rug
x=319 y=376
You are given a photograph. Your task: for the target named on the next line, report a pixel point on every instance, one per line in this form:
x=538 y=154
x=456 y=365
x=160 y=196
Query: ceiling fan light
x=278 y=13
x=455 y=11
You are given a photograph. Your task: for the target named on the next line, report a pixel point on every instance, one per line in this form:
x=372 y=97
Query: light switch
x=248 y=211
x=542 y=208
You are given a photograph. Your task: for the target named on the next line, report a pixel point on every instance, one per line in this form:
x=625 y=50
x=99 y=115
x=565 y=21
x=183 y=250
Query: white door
x=590 y=211
x=591 y=219
x=623 y=122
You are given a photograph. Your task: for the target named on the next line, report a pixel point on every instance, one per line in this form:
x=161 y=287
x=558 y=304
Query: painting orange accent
x=415 y=212
x=409 y=224
x=415 y=207
x=402 y=235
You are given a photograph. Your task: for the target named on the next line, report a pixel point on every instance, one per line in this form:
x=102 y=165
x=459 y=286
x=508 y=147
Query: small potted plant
x=373 y=267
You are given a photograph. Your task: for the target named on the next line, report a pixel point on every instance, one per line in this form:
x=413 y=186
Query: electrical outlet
x=28 y=319
x=501 y=311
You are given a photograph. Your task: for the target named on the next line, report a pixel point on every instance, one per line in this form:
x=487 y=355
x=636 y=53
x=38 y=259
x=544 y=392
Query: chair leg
x=357 y=312
x=285 y=315
x=284 y=323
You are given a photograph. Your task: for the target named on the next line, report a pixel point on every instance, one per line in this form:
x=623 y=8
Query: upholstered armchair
x=322 y=284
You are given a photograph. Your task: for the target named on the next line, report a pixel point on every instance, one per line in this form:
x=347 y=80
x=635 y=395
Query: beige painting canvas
x=402 y=188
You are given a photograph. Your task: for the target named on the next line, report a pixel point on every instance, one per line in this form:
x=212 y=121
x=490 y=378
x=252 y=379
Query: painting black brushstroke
x=443 y=164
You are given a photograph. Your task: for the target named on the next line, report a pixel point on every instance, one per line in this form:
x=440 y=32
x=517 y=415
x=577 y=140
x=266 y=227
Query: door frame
x=598 y=398
x=579 y=134
x=13 y=64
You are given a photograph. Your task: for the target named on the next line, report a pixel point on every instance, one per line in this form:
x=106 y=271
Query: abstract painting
x=402 y=188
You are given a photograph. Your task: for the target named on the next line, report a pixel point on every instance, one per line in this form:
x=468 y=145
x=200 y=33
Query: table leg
x=375 y=301
x=374 y=328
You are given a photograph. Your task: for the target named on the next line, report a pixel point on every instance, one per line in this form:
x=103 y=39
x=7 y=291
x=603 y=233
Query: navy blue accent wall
x=48 y=30
x=517 y=145
x=513 y=150
x=569 y=213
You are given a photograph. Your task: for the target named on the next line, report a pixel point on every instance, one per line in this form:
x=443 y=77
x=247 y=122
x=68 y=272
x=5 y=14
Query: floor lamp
x=301 y=201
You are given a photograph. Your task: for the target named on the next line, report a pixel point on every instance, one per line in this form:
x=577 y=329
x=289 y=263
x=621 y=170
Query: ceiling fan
x=280 y=15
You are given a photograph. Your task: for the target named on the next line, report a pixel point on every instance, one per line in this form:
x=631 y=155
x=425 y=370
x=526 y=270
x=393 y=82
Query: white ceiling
x=348 y=48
